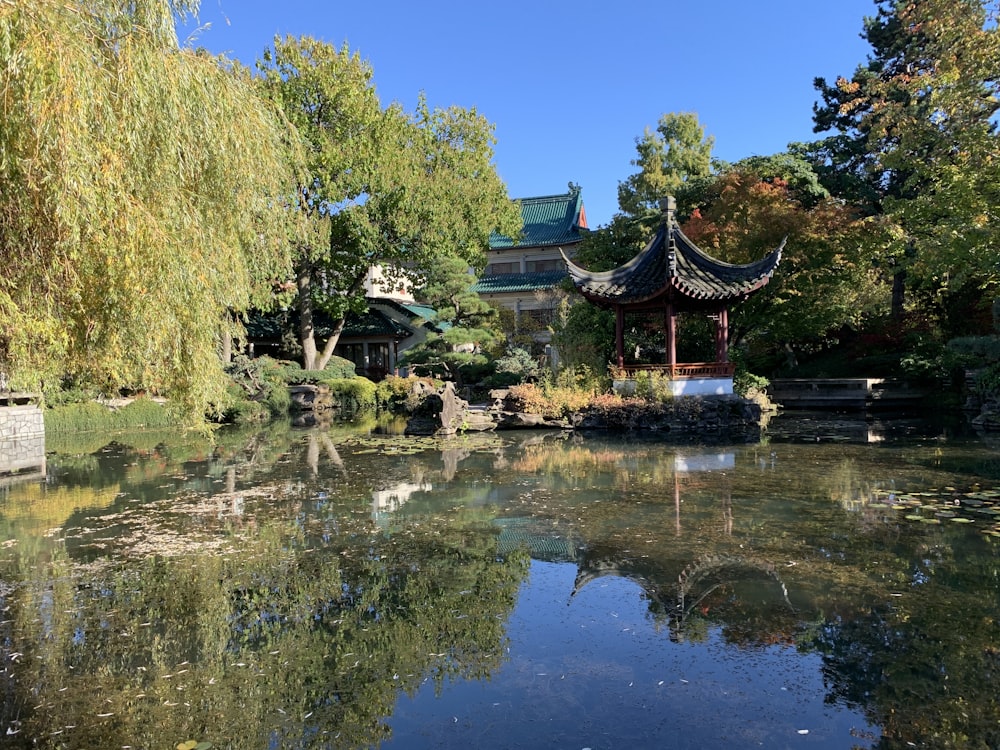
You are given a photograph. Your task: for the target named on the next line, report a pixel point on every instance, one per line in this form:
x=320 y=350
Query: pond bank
x=726 y=417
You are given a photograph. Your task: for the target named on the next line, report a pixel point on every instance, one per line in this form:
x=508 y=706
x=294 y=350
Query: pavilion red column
x=671 y=326
x=620 y=334
x=722 y=336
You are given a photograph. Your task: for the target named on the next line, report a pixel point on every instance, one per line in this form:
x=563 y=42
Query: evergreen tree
x=677 y=152
x=916 y=141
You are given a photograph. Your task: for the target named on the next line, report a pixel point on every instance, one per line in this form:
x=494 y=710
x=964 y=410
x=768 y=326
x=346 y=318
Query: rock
x=307 y=397
x=452 y=410
x=988 y=419
x=443 y=413
x=515 y=420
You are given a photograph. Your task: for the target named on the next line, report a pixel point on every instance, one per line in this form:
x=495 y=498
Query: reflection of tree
x=927 y=674
x=283 y=644
x=302 y=616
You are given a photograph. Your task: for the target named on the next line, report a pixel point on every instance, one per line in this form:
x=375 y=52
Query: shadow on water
x=833 y=587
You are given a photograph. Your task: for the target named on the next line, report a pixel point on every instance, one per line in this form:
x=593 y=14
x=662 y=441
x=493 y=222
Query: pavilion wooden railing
x=685 y=371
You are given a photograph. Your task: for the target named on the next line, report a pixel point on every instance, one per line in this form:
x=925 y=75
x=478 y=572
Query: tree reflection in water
x=288 y=588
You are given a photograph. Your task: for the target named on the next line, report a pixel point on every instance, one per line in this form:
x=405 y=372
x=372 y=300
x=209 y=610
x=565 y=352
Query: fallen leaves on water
x=979 y=507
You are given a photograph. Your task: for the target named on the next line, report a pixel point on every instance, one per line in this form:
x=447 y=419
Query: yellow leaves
x=126 y=162
x=848 y=86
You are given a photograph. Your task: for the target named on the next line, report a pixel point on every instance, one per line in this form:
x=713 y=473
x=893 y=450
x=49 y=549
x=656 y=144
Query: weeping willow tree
x=142 y=200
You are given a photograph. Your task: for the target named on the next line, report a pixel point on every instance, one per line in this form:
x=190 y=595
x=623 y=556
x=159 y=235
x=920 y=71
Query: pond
x=833 y=586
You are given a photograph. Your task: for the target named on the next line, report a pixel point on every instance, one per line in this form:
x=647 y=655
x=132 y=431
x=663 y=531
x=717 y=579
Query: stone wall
x=22 y=438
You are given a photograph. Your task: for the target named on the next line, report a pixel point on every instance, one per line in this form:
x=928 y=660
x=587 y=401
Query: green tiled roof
x=373 y=323
x=414 y=312
x=548 y=220
x=518 y=282
x=424 y=311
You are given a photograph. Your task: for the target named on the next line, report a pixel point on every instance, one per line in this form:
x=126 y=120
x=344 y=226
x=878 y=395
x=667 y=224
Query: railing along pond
x=685 y=371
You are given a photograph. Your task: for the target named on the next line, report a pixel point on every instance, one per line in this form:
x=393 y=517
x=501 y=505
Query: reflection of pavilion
x=740 y=590
x=711 y=582
x=703 y=462
x=393 y=498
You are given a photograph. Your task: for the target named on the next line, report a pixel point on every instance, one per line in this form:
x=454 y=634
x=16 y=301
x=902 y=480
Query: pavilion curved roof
x=672 y=265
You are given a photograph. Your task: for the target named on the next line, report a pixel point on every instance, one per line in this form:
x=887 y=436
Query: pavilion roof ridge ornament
x=672 y=268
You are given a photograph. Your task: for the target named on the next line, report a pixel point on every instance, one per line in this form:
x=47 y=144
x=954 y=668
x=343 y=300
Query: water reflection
x=340 y=588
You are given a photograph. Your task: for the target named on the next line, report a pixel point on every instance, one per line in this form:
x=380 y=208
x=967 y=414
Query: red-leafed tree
x=825 y=280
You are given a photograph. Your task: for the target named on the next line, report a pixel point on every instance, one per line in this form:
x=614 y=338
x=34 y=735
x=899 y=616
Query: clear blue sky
x=571 y=85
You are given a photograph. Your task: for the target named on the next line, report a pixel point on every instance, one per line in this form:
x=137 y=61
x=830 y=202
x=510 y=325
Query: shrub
x=242 y=410
x=977 y=348
x=582 y=377
x=258 y=390
x=988 y=382
x=354 y=394
x=69 y=394
x=928 y=360
x=396 y=395
x=653 y=386
x=338 y=367
x=87 y=416
x=519 y=363
x=748 y=385
x=550 y=401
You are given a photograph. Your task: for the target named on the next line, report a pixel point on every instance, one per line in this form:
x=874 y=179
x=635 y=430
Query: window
x=355 y=353
x=494 y=269
x=553 y=264
x=378 y=356
x=534 y=319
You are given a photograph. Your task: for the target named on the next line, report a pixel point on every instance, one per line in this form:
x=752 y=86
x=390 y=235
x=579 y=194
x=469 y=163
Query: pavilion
x=671 y=276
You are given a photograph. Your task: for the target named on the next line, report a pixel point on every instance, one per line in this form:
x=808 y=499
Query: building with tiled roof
x=523 y=274
x=374 y=340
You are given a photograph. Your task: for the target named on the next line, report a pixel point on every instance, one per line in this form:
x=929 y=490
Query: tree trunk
x=227 y=347
x=898 y=294
x=331 y=344
x=307 y=334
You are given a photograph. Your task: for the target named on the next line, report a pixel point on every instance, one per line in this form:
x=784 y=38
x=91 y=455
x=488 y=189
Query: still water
x=834 y=586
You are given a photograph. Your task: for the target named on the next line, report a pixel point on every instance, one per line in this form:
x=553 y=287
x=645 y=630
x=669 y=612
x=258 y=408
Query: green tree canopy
x=825 y=280
x=382 y=187
x=134 y=218
x=916 y=138
x=678 y=151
